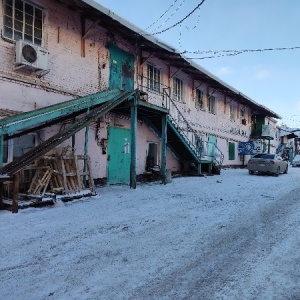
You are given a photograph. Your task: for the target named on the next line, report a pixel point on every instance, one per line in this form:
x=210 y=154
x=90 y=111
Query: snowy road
x=232 y=236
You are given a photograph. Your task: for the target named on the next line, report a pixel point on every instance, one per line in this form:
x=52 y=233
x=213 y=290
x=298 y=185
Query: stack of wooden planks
x=64 y=174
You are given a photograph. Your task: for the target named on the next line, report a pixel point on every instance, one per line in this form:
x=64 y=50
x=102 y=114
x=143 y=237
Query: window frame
x=231 y=112
x=177 y=89
x=199 y=100
x=26 y=23
x=12 y=145
x=243 y=116
x=154 y=79
x=211 y=104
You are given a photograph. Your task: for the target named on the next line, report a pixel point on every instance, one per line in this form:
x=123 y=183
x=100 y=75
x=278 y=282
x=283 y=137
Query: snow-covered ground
x=232 y=236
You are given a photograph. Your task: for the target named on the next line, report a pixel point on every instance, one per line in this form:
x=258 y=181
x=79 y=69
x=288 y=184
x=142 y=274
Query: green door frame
x=119 y=157
x=121 y=69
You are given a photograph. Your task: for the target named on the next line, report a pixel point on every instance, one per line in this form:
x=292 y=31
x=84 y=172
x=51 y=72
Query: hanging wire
x=221 y=53
x=197 y=23
x=290 y=119
x=162 y=15
x=177 y=9
x=179 y=22
x=180 y=32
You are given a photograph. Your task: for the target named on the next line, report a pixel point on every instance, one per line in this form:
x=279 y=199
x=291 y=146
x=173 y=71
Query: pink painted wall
x=72 y=75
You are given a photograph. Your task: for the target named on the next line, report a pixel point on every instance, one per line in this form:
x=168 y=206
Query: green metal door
x=118 y=151
x=211 y=147
x=231 y=151
x=121 y=69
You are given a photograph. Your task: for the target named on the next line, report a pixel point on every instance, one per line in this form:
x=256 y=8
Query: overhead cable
x=198 y=21
x=162 y=15
x=179 y=22
x=221 y=53
x=177 y=9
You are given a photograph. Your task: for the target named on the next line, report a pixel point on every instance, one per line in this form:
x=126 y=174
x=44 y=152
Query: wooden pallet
x=40 y=181
x=68 y=175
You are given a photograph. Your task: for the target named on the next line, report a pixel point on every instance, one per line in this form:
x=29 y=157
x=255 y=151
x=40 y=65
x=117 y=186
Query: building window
x=199 y=99
x=231 y=150
x=177 y=89
x=16 y=147
x=231 y=112
x=22 y=20
x=242 y=113
x=242 y=116
x=153 y=78
x=212 y=104
x=23 y=144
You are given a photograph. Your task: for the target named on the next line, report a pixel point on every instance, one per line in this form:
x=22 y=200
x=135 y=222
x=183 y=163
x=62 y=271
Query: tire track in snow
x=228 y=256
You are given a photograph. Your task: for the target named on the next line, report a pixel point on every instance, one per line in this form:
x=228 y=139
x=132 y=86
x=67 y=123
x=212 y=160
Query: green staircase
x=185 y=143
x=96 y=105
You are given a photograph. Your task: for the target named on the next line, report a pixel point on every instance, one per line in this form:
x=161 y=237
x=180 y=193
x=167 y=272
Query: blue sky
x=271 y=78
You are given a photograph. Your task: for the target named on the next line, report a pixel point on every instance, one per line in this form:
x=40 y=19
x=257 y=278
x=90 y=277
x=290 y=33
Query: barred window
x=199 y=99
x=22 y=20
x=177 y=89
x=153 y=78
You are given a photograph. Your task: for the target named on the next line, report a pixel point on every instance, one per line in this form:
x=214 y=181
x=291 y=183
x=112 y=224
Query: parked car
x=296 y=161
x=267 y=163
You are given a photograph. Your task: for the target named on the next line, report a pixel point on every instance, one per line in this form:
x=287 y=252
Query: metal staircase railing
x=22 y=161
x=280 y=148
x=187 y=133
x=194 y=140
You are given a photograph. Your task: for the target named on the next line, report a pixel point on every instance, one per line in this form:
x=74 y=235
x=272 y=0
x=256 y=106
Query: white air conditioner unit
x=31 y=56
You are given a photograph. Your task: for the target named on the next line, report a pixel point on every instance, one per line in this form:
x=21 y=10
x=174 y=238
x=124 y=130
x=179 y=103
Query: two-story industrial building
x=74 y=74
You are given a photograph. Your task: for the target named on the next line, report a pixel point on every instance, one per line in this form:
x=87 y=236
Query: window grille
x=199 y=99
x=177 y=89
x=153 y=78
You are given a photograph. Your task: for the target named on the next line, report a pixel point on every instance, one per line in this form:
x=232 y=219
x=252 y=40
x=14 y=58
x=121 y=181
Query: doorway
x=118 y=155
x=121 y=69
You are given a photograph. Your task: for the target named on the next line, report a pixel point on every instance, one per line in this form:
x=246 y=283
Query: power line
x=198 y=21
x=177 y=9
x=179 y=22
x=162 y=15
x=222 y=53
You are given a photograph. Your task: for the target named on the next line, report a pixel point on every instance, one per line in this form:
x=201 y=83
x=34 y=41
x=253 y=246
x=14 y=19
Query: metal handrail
x=162 y=92
x=189 y=135
x=195 y=141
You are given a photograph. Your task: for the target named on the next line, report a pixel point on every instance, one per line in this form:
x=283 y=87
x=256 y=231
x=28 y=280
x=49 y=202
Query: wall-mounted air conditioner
x=32 y=56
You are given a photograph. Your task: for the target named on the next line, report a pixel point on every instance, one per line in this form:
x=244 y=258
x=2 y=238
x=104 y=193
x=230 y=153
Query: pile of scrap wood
x=64 y=174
